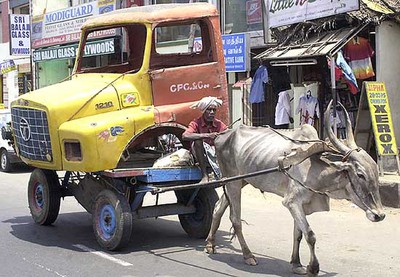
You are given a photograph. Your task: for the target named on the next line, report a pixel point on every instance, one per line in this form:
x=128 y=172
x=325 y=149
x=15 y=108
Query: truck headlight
x=73 y=151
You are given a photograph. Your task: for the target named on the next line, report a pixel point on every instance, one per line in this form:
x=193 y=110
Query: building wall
x=5 y=36
x=39 y=6
x=388 y=67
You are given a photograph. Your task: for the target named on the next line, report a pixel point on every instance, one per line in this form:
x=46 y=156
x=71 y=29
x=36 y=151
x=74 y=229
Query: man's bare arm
x=197 y=136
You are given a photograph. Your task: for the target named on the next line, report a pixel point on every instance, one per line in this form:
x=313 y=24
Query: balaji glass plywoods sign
x=286 y=12
x=381 y=118
x=20 y=35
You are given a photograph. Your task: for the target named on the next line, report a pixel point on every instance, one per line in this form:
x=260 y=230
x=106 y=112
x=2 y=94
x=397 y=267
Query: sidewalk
x=390 y=190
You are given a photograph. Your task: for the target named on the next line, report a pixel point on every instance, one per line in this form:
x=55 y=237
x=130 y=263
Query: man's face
x=209 y=114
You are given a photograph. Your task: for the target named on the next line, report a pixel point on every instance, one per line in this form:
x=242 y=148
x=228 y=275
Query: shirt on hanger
x=359 y=52
x=308 y=107
x=257 y=86
x=283 y=110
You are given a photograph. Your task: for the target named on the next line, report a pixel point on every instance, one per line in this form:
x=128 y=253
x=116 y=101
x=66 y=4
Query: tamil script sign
x=102 y=47
x=20 y=35
x=381 y=118
x=236 y=52
x=286 y=12
x=64 y=26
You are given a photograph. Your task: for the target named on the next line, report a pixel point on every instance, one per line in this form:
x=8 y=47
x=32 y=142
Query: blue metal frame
x=160 y=175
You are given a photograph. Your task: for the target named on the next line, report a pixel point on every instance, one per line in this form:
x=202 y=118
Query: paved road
x=347 y=243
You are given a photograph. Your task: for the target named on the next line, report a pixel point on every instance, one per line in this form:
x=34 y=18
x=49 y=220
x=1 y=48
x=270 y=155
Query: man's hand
x=212 y=135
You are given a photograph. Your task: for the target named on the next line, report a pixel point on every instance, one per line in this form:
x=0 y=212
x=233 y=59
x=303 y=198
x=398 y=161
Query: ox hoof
x=299 y=270
x=210 y=249
x=251 y=261
x=312 y=272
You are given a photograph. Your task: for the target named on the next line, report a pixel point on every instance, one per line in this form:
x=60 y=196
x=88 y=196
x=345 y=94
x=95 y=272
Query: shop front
x=305 y=71
x=55 y=37
x=300 y=63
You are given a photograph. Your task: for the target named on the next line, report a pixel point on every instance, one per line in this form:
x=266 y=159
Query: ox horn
x=349 y=130
x=335 y=141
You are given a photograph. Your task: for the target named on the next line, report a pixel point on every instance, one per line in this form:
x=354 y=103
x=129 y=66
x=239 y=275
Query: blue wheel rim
x=39 y=195
x=107 y=221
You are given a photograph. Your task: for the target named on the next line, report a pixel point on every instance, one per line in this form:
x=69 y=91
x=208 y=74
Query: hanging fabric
x=308 y=108
x=347 y=73
x=359 y=52
x=257 y=86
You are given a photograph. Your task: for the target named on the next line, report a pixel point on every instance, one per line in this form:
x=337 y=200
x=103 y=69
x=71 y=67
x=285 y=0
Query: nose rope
x=359 y=198
x=284 y=171
x=348 y=153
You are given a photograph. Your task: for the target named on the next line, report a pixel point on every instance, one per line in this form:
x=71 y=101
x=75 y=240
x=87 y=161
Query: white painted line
x=44 y=267
x=102 y=254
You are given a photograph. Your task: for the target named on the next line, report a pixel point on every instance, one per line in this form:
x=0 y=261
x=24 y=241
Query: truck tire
x=112 y=220
x=44 y=193
x=5 y=164
x=198 y=224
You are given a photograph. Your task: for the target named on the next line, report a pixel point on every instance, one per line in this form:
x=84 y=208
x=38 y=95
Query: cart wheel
x=112 y=220
x=5 y=164
x=198 y=224
x=44 y=195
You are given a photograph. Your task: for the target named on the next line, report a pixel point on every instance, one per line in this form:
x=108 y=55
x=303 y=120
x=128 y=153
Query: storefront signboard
x=102 y=47
x=20 y=35
x=378 y=102
x=236 y=52
x=7 y=66
x=286 y=12
x=63 y=26
x=253 y=11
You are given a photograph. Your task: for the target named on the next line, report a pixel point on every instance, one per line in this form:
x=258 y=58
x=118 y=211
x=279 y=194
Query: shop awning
x=323 y=44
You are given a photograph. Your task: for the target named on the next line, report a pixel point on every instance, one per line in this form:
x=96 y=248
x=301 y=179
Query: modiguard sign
x=381 y=118
x=20 y=34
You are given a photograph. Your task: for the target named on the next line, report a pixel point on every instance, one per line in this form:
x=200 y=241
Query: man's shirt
x=199 y=126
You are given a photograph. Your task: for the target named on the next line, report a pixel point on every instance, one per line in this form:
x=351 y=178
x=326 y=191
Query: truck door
x=184 y=65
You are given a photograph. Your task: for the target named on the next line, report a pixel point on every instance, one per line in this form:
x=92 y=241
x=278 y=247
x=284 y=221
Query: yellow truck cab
x=106 y=125
x=165 y=58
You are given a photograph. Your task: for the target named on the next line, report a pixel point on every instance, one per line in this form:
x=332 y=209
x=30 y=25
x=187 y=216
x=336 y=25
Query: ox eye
x=361 y=176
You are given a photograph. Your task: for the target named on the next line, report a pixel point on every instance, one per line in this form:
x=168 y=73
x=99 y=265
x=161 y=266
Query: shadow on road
x=20 y=168
x=159 y=237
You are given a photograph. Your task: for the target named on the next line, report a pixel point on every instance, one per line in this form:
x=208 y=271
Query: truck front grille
x=31 y=131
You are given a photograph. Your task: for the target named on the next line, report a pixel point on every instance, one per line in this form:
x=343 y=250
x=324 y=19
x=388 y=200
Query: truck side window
x=180 y=44
x=119 y=55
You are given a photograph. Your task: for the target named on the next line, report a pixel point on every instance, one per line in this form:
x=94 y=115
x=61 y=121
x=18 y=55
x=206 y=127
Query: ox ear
x=335 y=161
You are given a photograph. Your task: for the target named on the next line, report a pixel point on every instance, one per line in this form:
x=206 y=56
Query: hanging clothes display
x=308 y=108
x=257 y=86
x=342 y=80
x=358 y=52
x=283 y=110
x=347 y=73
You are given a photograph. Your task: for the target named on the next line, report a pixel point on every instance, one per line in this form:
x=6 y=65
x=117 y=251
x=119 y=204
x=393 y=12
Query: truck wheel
x=44 y=195
x=112 y=220
x=5 y=164
x=198 y=224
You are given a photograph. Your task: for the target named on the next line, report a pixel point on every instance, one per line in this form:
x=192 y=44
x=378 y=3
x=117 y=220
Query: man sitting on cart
x=202 y=131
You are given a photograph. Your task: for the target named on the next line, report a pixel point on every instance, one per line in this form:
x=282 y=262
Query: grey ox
x=319 y=172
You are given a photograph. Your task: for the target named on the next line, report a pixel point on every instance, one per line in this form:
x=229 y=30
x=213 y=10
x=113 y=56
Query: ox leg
x=219 y=210
x=297 y=267
x=233 y=191
x=302 y=224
